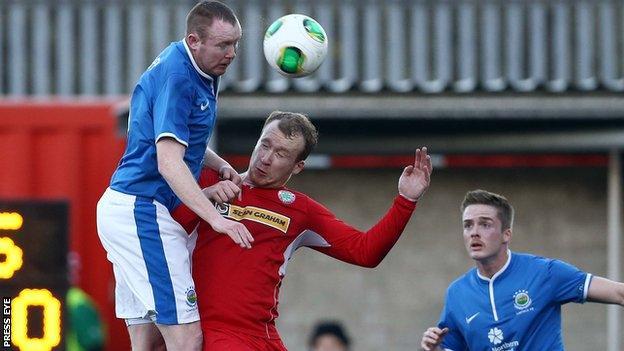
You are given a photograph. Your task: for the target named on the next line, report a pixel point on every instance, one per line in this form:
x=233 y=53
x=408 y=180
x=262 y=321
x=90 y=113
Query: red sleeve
x=350 y=245
x=184 y=215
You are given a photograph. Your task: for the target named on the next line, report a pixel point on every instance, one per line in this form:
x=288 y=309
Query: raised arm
x=606 y=291
x=369 y=248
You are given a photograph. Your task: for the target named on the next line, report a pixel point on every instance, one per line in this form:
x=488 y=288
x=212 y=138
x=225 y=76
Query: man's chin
x=218 y=71
x=475 y=255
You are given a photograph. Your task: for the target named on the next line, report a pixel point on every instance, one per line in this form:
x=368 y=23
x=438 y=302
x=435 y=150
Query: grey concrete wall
x=560 y=213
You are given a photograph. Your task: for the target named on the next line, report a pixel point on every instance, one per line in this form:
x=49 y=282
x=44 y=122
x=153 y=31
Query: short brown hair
x=200 y=18
x=484 y=197
x=292 y=124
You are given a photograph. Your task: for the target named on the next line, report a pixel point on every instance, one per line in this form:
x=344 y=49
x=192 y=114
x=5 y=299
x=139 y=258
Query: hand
x=228 y=173
x=236 y=231
x=415 y=178
x=432 y=338
x=223 y=191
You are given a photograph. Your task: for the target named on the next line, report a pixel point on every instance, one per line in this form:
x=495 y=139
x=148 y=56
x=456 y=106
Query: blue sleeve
x=569 y=283
x=172 y=109
x=454 y=340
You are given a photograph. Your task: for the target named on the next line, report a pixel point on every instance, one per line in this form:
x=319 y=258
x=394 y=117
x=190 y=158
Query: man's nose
x=231 y=52
x=266 y=158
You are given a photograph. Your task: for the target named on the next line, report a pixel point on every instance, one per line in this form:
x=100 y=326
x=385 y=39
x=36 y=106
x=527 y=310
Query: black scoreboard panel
x=33 y=274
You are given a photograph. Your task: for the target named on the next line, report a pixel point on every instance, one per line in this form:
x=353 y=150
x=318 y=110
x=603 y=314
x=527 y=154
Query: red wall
x=67 y=150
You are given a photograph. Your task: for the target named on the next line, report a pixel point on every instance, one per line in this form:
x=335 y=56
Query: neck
x=490 y=266
x=246 y=180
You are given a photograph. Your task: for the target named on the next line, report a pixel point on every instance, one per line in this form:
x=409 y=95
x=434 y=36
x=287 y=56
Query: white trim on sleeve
x=171 y=135
x=588 y=279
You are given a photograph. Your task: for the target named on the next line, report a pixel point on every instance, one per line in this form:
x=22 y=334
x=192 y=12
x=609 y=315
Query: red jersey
x=237 y=289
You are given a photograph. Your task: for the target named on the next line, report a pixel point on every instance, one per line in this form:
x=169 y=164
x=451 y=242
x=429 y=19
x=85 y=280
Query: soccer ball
x=295 y=45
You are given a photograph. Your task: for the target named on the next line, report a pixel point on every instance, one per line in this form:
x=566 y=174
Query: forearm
x=606 y=291
x=368 y=249
x=380 y=239
x=214 y=161
x=183 y=184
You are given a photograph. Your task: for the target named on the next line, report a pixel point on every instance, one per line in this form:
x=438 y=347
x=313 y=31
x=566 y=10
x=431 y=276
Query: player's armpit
x=606 y=291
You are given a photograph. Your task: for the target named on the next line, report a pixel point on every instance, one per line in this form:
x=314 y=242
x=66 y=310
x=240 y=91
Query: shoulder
x=530 y=259
x=461 y=283
x=535 y=264
x=172 y=63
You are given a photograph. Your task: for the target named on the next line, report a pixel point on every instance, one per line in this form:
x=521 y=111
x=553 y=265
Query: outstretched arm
x=606 y=291
x=369 y=248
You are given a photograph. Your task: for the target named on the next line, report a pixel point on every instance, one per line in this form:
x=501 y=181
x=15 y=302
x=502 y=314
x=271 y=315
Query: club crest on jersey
x=191 y=297
x=522 y=300
x=286 y=196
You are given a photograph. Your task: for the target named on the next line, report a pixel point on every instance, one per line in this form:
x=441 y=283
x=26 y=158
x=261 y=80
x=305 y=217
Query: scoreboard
x=33 y=274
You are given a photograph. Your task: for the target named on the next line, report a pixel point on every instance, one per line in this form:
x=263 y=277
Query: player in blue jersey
x=510 y=301
x=172 y=114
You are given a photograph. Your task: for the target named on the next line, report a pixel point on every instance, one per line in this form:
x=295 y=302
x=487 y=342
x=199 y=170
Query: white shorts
x=151 y=255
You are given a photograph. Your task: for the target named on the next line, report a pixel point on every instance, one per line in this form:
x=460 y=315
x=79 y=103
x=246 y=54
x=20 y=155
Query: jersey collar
x=501 y=271
x=201 y=73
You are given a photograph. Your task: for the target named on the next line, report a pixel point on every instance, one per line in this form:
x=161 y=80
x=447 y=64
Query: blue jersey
x=175 y=99
x=519 y=308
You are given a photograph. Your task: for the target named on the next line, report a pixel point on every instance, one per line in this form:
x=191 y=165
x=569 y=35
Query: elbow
x=164 y=166
x=371 y=262
x=372 y=265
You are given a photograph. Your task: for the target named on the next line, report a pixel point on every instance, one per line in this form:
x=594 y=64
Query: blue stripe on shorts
x=155 y=261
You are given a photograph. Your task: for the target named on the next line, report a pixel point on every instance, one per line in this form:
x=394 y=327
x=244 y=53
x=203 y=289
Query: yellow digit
x=11 y=220
x=13 y=261
x=51 y=320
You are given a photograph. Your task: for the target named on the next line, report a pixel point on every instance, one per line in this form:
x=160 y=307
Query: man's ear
x=298 y=167
x=507 y=235
x=193 y=40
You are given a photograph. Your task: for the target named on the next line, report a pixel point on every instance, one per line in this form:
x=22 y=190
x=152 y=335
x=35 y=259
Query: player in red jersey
x=237 y=289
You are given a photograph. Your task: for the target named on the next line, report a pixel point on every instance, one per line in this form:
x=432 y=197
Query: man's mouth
x=475 y=246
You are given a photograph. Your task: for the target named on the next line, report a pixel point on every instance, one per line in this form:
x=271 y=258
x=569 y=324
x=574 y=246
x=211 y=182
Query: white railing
x=83 y=47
